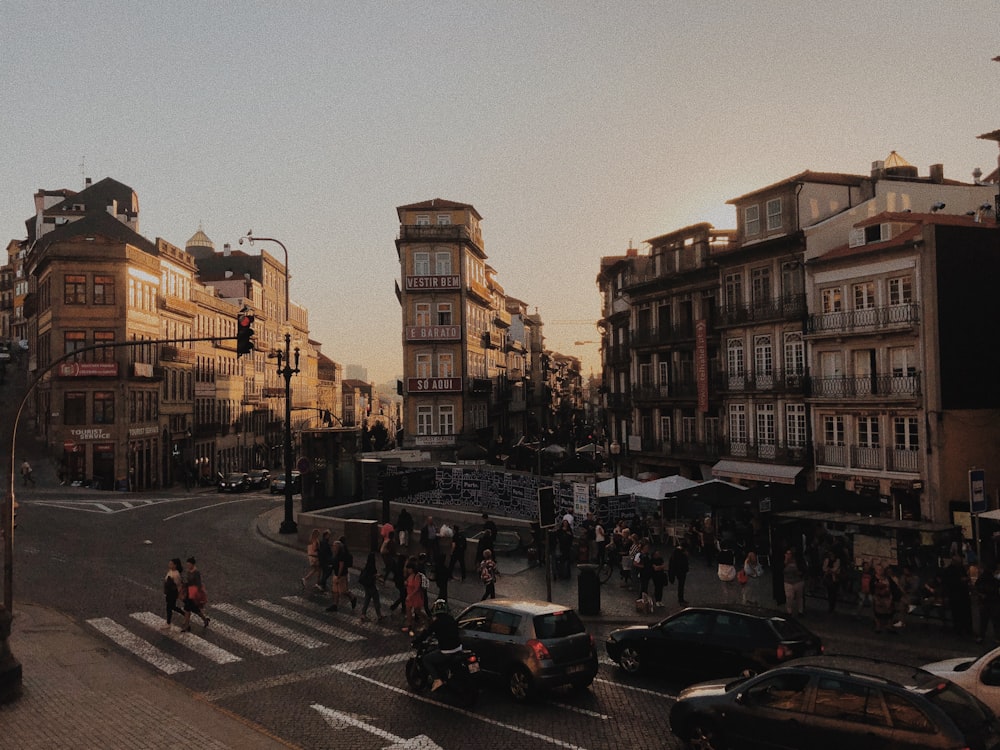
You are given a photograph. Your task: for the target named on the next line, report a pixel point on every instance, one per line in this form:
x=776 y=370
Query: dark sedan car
x=704 y=642
x=530 y=645
x=831 y=703
x=236 y=481
x=259 y=478
x=278 y=483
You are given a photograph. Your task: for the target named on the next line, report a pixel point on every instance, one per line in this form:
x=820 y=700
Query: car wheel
x=519 y=684
x=702 y=735
x=629 y=660
x=579 y=686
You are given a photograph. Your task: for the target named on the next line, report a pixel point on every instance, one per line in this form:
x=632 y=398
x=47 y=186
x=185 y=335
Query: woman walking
x=753 y=571
x=414 y=596
x=488 y=575
x=195 y=597
x=399 y=578
x=387 y=551
x=172 y=587
x=794 y=576
x=659 y=566
x=312 y=556
x=368 y=578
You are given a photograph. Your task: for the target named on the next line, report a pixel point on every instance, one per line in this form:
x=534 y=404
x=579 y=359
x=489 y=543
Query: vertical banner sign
x=546 y=507
x=977 y=490
x=581 y=500
x=701 y=362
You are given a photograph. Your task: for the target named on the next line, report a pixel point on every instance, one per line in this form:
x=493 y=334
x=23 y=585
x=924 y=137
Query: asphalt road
x=275 y=658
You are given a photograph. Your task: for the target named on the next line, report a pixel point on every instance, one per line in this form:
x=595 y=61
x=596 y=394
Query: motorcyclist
x=445 y=628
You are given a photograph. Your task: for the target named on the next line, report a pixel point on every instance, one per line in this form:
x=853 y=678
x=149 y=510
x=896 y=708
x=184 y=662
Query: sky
x=575 y=128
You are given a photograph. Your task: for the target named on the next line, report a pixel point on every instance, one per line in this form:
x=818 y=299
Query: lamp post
x=286 y=371
x=615 y=449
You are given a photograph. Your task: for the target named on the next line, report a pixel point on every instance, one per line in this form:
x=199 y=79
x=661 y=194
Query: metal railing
x=869 y=319
x=885 y=386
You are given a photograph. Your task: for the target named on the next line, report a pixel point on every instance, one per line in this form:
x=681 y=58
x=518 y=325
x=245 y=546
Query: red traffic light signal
x=244 y=334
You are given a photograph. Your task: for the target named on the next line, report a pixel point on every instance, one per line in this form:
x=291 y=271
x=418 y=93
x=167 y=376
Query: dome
x=200 y=239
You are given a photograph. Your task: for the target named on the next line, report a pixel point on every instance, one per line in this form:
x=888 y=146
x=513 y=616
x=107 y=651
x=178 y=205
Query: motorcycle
x=459 y=686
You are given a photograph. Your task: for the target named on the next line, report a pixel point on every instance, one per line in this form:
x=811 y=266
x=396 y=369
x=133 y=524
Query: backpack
x=425 y=582
x=486 y=573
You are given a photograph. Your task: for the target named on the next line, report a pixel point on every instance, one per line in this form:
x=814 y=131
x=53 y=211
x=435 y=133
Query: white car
x=979 y=675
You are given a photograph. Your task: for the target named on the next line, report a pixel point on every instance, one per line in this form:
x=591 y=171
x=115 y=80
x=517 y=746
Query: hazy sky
x=573 y=127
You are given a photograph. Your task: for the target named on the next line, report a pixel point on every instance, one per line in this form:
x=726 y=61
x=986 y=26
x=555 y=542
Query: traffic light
x=244 y=334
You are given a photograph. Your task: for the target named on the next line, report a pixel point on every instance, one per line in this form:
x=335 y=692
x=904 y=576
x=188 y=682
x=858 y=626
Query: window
x=446 y=365
x=760 y=288
x=689 y=434
x=104 y=407
x=104 y=290
x=784 y=692
x=711 y=430
x=666 y=430
x=774 y=214
x=795 y=355
x=905 y=434
x=902 y=362
x=906 y=715
x=832 y=300
x=737 y=423
x=444 y=314
x=442 y=263
x=446 y=420
x=424 y=421
x=734 y=358
x=751 y=220
x=423 y=313
x=75 y=289
x=864 y=295
x=74 y=341
x=75 y=407
x=795 y=425
x=763 y=356
x=646 y=373
x=765 y=426
x=421 y=264
x=833 y=430
x=900 y=291
x=664 y=368
x=423 y=365
x=734 y=291
x=845 y=700
x=443 y=220
x=868 y=432
x=423 y=220
x=104 y=355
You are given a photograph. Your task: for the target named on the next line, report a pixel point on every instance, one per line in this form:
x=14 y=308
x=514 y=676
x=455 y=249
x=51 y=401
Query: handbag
x=742 y=577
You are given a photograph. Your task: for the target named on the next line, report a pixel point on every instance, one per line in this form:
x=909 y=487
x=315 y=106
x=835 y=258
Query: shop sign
x=142 y=369
x=429 y=440
x=431 y=282
x=433 y=333
x=433 y=385
x=140 y=431
x=88 y=370
x=91 y=433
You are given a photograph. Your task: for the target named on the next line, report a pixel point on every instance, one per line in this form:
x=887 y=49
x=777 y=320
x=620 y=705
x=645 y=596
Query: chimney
x=878 y=170
x=937 y=173
x=226 y=250
x=86 y=182
x=632 y=252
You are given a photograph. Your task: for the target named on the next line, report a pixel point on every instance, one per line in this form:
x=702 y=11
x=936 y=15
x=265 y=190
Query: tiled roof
x=438 y=203
x=825 y=178
x=101 y=224
x=98 y=197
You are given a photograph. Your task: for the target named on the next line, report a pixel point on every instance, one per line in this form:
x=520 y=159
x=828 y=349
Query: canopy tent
x=716 y=493
x=589 y=448
x=626 y=486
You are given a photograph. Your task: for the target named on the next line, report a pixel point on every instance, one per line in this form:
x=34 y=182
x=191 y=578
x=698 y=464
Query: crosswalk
x=255 y=628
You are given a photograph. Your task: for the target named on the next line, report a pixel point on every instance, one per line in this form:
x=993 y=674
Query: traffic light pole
x=10 y=668
x=288 y=525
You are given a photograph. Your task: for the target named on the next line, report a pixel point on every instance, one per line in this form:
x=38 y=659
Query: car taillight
x=783 y=652
x=539 y=650
x=593 y=644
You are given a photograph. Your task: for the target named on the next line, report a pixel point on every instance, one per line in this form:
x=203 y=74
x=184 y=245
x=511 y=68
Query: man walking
x=26 y=473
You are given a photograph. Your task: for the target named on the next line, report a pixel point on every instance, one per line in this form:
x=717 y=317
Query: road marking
x=647 y=691
x=144 y=650
x=207 y=507
x=311 y=622
x=373 y=627
x=271 y=627
x=579 y=710
x=268 y=683
x=197 y=644
x=468 y=714
x=246 y=640
x=338 y=719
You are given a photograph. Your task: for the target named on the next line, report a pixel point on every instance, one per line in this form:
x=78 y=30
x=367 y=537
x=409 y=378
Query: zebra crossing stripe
x=271 y=627
x=306 y=620
x=245 y=639
x=197 y=644
x=370 y=626
x=144 y=650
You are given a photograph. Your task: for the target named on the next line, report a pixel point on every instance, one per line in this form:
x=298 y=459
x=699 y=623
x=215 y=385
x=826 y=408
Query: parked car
x=980 y=676
x=236 y=481
x=835 y=703
x=278 y=483
x=259 y=478
x=704 y=642
x=531 y=646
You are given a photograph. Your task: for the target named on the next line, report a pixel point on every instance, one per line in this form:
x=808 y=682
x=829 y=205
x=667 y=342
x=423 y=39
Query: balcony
x=453 y=232
x=880 y=319
x=170 y=353
x=877 y=458
x=866 y=386
x=776 y=380
x=781 y=453
x=693 y=451
x=175 y=304
x=788 y=307
x=619 y=401
x=501 y=318
x=619 y=354
x=492 y=340
x=659 y=336
x=651 y=392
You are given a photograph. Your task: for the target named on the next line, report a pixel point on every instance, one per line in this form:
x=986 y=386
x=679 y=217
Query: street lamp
x=615 y=449
x=286 y=371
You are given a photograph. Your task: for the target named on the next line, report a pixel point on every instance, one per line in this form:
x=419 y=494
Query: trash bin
x=588 y=590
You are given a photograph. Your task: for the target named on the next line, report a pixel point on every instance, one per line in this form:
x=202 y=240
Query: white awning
x=756 y=472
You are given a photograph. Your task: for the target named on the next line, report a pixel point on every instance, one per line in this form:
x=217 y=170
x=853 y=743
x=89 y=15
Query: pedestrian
x=600 y=542
x=709 y=544
x=368 y=578
x=415 y=598
x=342 y=561
x=325 y=559
x=487 y=538
x=488 y=573
x=753 y=571
x=831 y=579
x=643 y=564
x=955 y=580
x=172 y=587
x=441 y=576
x=882 y=604
x=458 y=546
x=399 y=578
x=428 y=537
x=404 y=528
x=387 y=551
x=794 y=576
x=659 y=568
x=195 y=598
x=677 y=569
x=312 y=557
x=987 y=589
x=26 y=473
x=563 y=549
x=726 y=573
x=625 y=547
